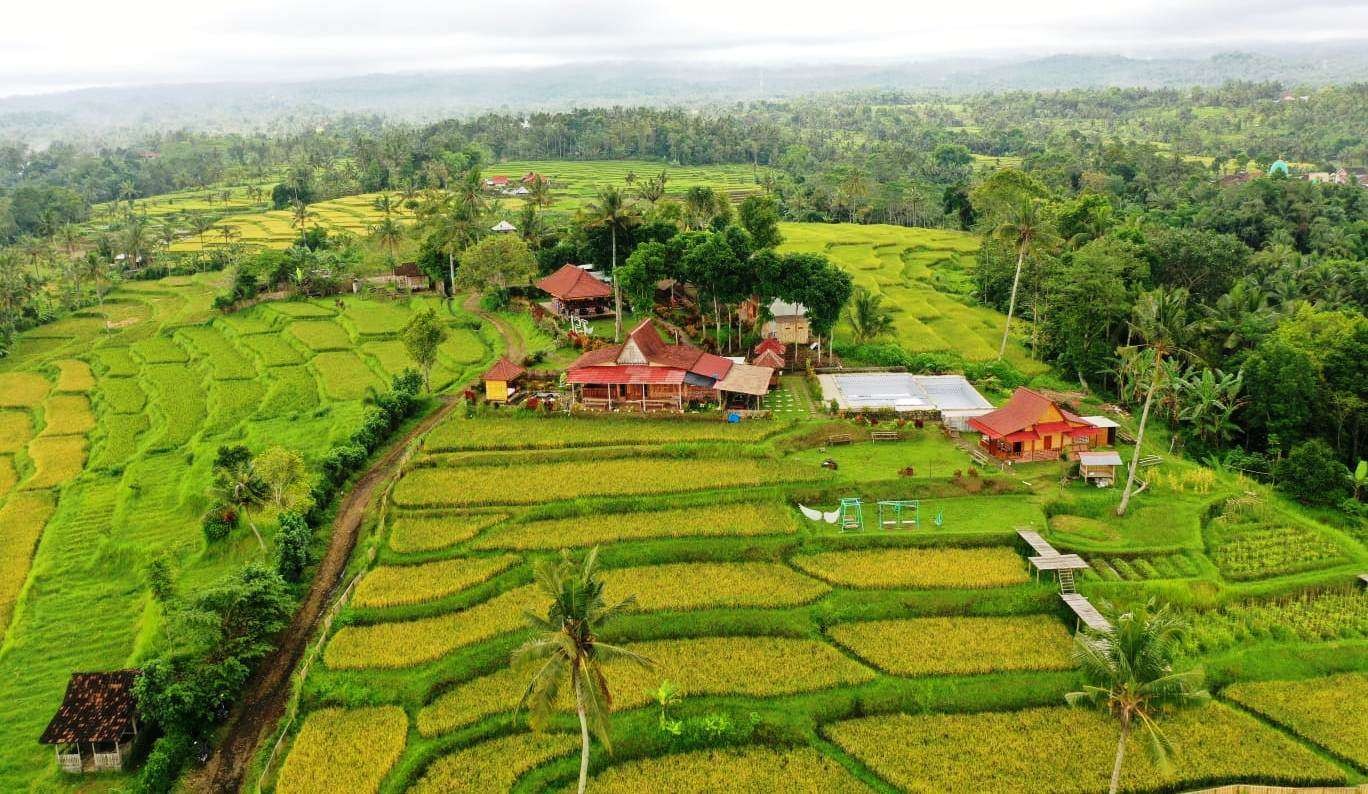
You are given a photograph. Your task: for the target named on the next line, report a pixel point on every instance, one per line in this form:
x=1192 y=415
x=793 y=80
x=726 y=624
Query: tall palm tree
x=1160 y=319
x=389 y=233
x=1129 y=673
x=868 y=318
x=1024 y=229
x=239 y=485
x=567 y=648
x=615 y=212
x=300 y=218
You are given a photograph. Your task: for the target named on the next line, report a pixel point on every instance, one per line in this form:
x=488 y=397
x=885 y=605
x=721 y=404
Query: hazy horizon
x=73 y=44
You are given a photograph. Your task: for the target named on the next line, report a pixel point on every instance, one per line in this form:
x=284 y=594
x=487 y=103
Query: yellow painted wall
x=496 y=391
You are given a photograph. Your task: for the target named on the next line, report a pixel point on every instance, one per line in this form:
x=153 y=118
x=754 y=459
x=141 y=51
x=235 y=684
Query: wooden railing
x=70 y=762
x=103 y=761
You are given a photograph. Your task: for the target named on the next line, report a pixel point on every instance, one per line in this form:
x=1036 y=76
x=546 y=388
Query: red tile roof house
x=1031 y=427
x=576 y=292
x=496 y=181
x=645 y=373
x=94 y=727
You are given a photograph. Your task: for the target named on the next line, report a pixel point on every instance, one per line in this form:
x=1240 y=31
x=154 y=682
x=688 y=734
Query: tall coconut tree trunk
x=1140 y=436
x=257 y=532
x=617 y=296
x=451 y=273
x=584 y=738
x=1116 y=765
x=1011 y=302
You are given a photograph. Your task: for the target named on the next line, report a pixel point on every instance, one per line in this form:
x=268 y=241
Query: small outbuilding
x=1099 y=467
x=789 y=324
x=500 y=382
x=94 y=728
x=503 y=226
x=575 y=292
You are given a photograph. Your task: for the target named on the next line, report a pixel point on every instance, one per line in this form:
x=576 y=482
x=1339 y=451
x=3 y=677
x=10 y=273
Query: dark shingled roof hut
x=98 y=714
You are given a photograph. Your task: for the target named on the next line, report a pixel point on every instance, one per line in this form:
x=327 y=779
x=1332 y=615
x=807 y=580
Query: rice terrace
x=972 y=426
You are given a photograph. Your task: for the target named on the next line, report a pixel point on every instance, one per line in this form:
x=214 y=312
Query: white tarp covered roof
x=1104 y=458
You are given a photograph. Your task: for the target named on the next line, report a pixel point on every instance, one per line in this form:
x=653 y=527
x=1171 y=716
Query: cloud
x=67 y=43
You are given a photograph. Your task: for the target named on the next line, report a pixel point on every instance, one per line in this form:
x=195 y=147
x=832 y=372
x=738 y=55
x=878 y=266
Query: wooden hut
x=1099 y=468
x=789 y=324
x=411 y=277
x=1032 y=427
x=575 y=292
x=94 y=728
x=500 y=382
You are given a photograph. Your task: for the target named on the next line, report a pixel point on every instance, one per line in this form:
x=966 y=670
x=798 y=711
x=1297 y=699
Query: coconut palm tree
x=868 y=318
x=237 y=484
x=389 y=233
x=1160 y=319
x=567 y=649
x=1129 y=673
x=1024 y=229
x=614 y=211
x=300 y=218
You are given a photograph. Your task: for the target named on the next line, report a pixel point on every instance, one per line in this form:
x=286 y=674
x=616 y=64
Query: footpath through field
x=268 y=691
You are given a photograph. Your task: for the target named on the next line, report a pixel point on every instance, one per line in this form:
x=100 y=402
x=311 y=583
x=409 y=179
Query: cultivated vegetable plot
x=1310 y=617
x=945 y=646
x=1059 y=749
x=918 y=568
x=344 y=750
x=1326 y=710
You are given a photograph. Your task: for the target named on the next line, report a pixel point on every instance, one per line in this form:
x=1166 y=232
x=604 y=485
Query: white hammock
x=817 y=515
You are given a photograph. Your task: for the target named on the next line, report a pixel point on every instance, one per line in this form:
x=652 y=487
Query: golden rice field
x=494 y=765
x=22 y=516
x=74 y=375
x=1326 y=711
x=918 y=567
x=409 y=642
x=16 y=429
x=705 y=585
x=749 y=769
x=755 y=518
x=756 y=666
x=412 y=532
x=1061 y=750
x=394 y=585
x=959 y=645
x=344 y=750
x=22 y=389
x=528 y=483
x=67 y=415
x=56 y=459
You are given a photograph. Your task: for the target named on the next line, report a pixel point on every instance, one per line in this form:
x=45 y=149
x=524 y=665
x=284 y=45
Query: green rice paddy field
x=919 y=659
x=924 y=276
x=572 y=184
x=106 y=439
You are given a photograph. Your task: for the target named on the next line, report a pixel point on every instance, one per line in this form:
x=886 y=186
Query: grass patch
x=345 y=376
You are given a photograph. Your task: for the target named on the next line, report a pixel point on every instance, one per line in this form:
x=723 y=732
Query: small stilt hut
x=94 y=728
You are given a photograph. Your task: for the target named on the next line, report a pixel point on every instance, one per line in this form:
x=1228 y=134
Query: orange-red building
x=576 y=292
x=1032 y=427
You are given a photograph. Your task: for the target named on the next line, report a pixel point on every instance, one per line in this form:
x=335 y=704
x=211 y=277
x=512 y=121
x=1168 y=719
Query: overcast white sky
x=48 y=45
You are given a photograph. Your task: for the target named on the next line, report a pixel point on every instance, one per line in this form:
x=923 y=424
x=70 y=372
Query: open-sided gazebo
x=94 y=727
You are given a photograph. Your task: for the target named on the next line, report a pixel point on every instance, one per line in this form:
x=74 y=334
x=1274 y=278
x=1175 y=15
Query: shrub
x=340 y=461
x=219 y=522
x=292 y=551
x=164 y=763
x=1312 y=475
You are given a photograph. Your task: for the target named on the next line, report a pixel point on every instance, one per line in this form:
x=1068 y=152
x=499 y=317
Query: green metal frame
x=851 y=515
x=891 y=513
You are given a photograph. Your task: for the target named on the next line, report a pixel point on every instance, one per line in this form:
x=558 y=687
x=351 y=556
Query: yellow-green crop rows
x=107 y=436
x=923 y=275
x=892 y=646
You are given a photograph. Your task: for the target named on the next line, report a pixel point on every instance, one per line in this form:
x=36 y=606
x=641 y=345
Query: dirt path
x=262 y=704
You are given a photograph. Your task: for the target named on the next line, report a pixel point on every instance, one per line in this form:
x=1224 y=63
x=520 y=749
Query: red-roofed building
x=649 y=374
x=531 y=176
x=1032 y=427
x=575 y=292
x=496 y=181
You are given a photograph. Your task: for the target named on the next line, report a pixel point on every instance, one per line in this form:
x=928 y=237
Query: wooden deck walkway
x=1036 y=542
x=1086 y=612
